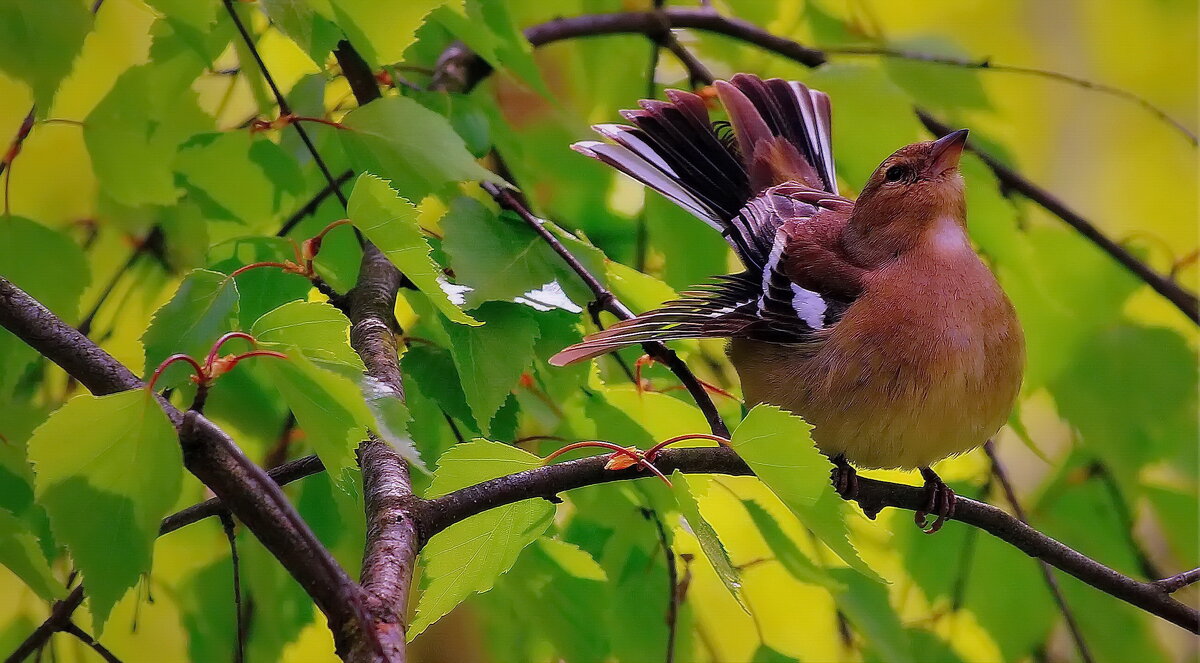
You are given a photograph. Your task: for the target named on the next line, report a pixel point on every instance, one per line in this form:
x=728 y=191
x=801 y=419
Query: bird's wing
x=775 y=304
x=769 y=188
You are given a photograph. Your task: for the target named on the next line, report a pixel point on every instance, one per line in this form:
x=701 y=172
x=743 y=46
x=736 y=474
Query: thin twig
x=87 y=639
x=284 y=108
x=672 y=582
x=60 y=615
x=312 y=205
x=1085 y=653
x=610 y=303
x=14 y=148
x=1178 y=581
x=239 y=654
x=988 y=65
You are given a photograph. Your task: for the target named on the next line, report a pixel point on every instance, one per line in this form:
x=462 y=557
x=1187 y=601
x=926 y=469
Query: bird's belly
x=889 y=405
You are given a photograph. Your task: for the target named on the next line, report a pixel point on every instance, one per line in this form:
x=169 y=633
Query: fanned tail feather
x=781 y=135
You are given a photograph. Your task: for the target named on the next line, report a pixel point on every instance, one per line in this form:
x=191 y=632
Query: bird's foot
x=940 y=502
x=844 y=478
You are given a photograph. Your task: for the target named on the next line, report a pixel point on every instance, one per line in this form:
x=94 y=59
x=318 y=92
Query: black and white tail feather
x=778 y=169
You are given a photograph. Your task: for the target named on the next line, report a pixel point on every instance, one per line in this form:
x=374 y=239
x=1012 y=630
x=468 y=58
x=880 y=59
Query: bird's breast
x=926 y=364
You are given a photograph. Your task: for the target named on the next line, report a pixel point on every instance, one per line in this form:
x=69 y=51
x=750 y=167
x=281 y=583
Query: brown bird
x=873 y=319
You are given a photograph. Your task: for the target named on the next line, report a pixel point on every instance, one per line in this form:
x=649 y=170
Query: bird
x=874 y=319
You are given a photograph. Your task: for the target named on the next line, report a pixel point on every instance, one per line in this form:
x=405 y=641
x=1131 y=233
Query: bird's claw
x=940 y=502
x=844 y=478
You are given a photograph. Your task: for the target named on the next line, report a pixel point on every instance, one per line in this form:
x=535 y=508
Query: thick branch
x=460 y=67
x=435 y=515
x=659 y=351
x=208 y=453
x=391 y=547
x=390 y=557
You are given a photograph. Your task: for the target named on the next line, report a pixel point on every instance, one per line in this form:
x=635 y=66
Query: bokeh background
x=1103 y=449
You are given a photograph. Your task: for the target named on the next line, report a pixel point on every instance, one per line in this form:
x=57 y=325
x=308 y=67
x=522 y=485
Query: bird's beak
x=947 y=150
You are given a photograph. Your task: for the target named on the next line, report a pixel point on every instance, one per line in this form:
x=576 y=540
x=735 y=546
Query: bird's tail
x=778 y=131
x=777 y=134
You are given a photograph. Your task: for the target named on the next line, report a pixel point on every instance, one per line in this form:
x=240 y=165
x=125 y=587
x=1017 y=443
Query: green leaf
x=202 y=309
x=317 y=329
x=432 y=369
x=19 y=551
x=490 y=359
x=470 y=555
x=315 y=35
x=390 y=222
x=694 y=253
x=321 y=333
x=264 y=289
x=710 y=543
x=192 y=23
x=223 y=166
x=502 y=259
x=785 y=550
x=414 y=147
x=779 y=448
x=1133 y=426
x=641 y=292
x=765 y=654
x=133 y=134
x=382 y=30
x=572 y=559
x=39 y=41
x=328 y=406
x=866 y=605
x=206 y=611
x=56 y=279
x=108 y=469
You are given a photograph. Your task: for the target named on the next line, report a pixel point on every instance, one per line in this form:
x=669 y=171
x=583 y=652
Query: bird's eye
x=896 y=173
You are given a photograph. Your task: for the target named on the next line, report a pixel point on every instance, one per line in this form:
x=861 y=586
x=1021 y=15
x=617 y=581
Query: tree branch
x=987 y=64
x=391 y=547
x=434 y=515
x=1177 y=581
x=312 y=205
x=60 y=616
x=1163 y=285
x=87 y=639
x=244 y=488
x=461 y=69
x=659 y=351
x=390 y=557
x=284 y=107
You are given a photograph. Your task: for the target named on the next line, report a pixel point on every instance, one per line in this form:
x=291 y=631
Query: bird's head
x=910 y=192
